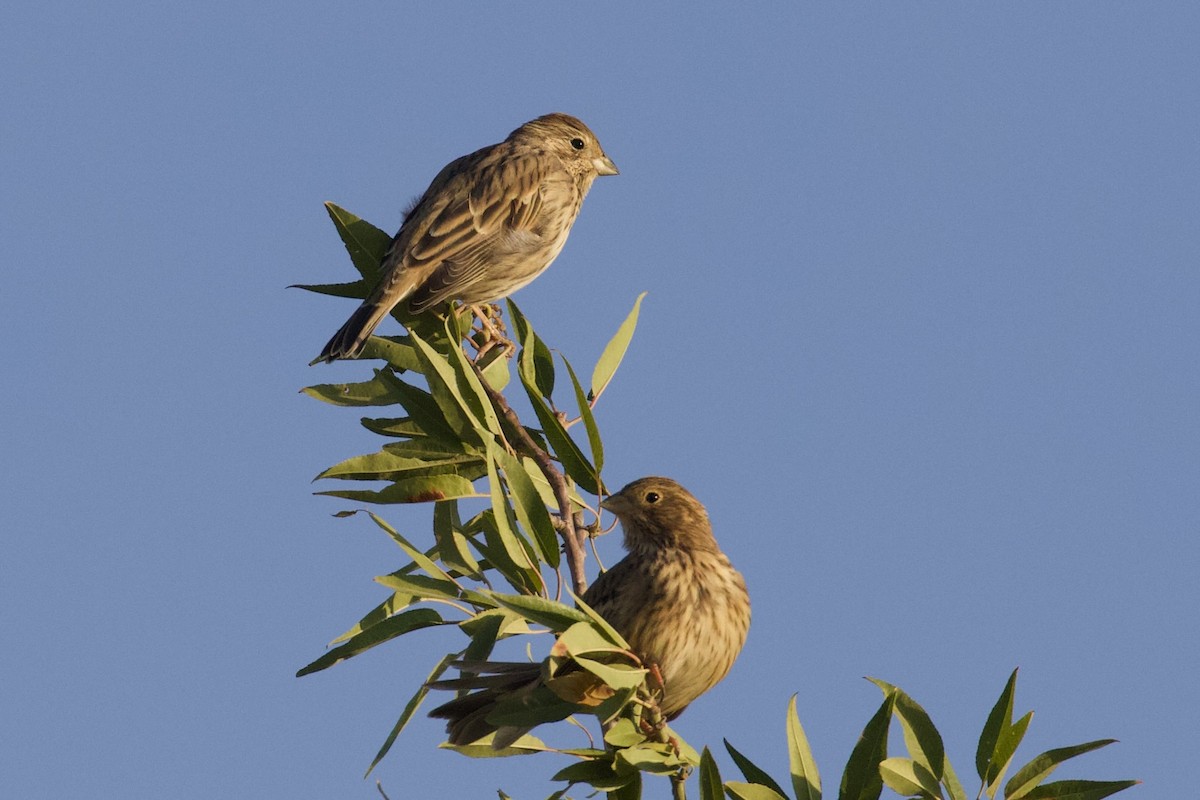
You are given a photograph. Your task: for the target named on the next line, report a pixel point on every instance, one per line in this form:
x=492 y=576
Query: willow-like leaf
x=614 y=351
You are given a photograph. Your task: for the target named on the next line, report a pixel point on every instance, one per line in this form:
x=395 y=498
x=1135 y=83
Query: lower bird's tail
x=508 y=684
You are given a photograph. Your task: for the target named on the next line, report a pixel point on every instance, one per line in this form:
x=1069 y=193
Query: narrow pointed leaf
x=388 y=608
x=471 y=389
x=411 y=490
x=515 y=545
x=574 y=462
x=402 y=623
x=920 y=736
x=998 y=721
x=1006 y=746
x=1040 y=767
x=555 y=616
x=752 y=772
x=463 y=416
x=589 y=419
x=861 y=780
x=751 y=791
x=614 y=351
x=1078 y=790
x=535 y=361
x=710 y=778
x=529 y=506
x=410 y=708
x=379 y=391
x=950 y=781
x=806 y=781
x=365 y=243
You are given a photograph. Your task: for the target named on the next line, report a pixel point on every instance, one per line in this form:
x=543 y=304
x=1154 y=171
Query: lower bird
x=675 y=598
x=489 y=223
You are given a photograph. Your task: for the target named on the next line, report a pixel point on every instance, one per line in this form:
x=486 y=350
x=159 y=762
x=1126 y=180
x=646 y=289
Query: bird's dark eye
x=577 y=143
x=651 y=497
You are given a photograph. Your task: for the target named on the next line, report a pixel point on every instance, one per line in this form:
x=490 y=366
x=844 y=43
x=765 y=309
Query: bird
x=675 y=598
x=489 y=223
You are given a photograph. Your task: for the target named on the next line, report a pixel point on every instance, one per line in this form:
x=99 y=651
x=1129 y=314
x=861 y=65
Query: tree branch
x=566 y=526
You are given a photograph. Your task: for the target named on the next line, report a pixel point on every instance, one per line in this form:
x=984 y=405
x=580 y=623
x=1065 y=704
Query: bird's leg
x=491 y=332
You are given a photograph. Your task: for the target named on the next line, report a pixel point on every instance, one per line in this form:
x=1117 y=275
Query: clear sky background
x=922 y=332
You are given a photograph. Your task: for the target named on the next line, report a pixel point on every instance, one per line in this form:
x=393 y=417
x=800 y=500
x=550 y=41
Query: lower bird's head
x=658 y=512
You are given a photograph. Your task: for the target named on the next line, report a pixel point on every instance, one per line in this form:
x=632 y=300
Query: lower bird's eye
x=577 y=143
x=651 y=497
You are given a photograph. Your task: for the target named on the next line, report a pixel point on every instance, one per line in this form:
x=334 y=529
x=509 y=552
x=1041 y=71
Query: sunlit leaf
x=1078 y=790
x=535 y=361
x=920 y=736
x=751 y=771
x=909 y=778
x=379 y=391
x=365 y=243
x=1006 y=746
x=710 y=777
x=751 y=791
x=861 y=780
x=589 y=419
x=555 y=616
x=1040 y=767
x=402 y=623
x=806 y=780
x=529 y=506
x=614 y=351
x=411 y=490
x=998 y=721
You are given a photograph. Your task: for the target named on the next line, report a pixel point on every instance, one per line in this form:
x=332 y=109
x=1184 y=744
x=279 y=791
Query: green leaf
x=652 y=757
x=624 y=733
x=951 y=782
x=614 y=352
x=1079 y=790
x=806 y=780
x=618 y=676
x=411 y=490
x=528 y=505
x=403 y=427
x=366 y=244
x=420 y=559
x=379 y=391
x=526 y=745
x=495 y=550
x=922 y=739
x=710 y=777
x=452 y=546
x=390 y=607
x=751 y=791
x=753 y=773
x=424 y=410
x=598 y=774
x=908 y=777
x=535 y=361
x=1006 y=746
x=518 y=550
x=409 y=709
x=402 y=623
x=555 y=616
x=390 y=465
x=463 y=414
x=861 y=779
x=589 y=419
x=397 y=351
x=573 y=460
x=470 y=387
x=998 y=721
x=355 y=290
x=1040 y=768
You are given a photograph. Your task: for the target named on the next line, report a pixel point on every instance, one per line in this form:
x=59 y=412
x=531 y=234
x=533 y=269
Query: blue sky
x=921 y=332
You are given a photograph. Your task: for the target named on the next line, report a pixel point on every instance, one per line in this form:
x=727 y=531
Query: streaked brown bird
x=489 y=223
x=675 y=598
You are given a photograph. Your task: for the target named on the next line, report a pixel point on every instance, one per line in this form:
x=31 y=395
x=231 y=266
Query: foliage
x=509 y=501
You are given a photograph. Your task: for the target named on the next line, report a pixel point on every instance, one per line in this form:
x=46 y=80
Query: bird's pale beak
x=605 y=166
x=614 y=503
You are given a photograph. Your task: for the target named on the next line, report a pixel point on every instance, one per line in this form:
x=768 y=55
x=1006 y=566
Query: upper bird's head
x=657 y=512
x=569 y=139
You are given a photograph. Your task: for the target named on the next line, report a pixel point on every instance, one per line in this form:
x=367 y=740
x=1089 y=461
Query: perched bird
x=489 y=223
x=675 y=598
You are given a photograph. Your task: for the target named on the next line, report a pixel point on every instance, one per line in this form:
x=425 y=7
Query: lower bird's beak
x=605 y=166
x=614 y=503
